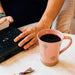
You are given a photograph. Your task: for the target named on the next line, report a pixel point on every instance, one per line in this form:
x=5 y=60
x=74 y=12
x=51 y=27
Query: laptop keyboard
x=6 y=40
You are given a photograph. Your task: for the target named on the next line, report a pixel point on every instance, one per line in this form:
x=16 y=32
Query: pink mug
x=50 y=51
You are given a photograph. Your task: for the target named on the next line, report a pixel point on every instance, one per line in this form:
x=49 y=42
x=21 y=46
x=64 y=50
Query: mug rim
x=50 y=30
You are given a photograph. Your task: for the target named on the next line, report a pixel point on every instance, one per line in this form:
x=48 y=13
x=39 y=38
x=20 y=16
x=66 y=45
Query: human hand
x=3 y=19
x=29 y=33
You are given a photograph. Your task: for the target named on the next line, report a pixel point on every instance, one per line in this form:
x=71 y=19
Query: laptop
x=8 y=47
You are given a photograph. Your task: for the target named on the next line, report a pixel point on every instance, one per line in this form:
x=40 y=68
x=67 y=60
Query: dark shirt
x=24 y=11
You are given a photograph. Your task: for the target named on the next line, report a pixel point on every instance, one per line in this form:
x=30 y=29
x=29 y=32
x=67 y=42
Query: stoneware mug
x=50 y=51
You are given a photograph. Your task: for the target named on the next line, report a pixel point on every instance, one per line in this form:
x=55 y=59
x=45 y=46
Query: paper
x=4 y=25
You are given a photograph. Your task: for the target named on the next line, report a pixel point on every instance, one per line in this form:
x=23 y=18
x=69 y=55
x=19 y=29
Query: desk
x=25 y=59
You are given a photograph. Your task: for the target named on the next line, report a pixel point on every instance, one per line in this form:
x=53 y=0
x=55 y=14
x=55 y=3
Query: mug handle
x=66 y=37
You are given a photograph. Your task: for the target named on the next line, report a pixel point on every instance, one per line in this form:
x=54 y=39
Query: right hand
x=9 y=18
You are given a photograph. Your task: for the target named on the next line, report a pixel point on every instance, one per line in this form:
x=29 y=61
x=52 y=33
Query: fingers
x=10 y=19
x=26 y=39
x=2 y=20
x=30 y=43
x=33 y=46
x=22 y=35
x=24 y=29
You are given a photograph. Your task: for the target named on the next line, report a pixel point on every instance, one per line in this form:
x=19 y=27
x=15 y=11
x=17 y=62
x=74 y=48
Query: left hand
x=9 y=18
x=29 y=33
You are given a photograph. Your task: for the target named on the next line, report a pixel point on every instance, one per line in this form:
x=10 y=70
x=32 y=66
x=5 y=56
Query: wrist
x=2 y=15
x=45 y=22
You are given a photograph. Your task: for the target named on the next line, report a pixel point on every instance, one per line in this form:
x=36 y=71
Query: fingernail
x=15 y=40
x=24 y=47
x=19 y=45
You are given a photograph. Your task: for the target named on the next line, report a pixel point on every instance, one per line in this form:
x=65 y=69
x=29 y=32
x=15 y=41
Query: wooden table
x=25 y=59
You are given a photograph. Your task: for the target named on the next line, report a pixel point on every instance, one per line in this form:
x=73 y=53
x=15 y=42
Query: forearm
x=1 y=8
x=52 y=10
